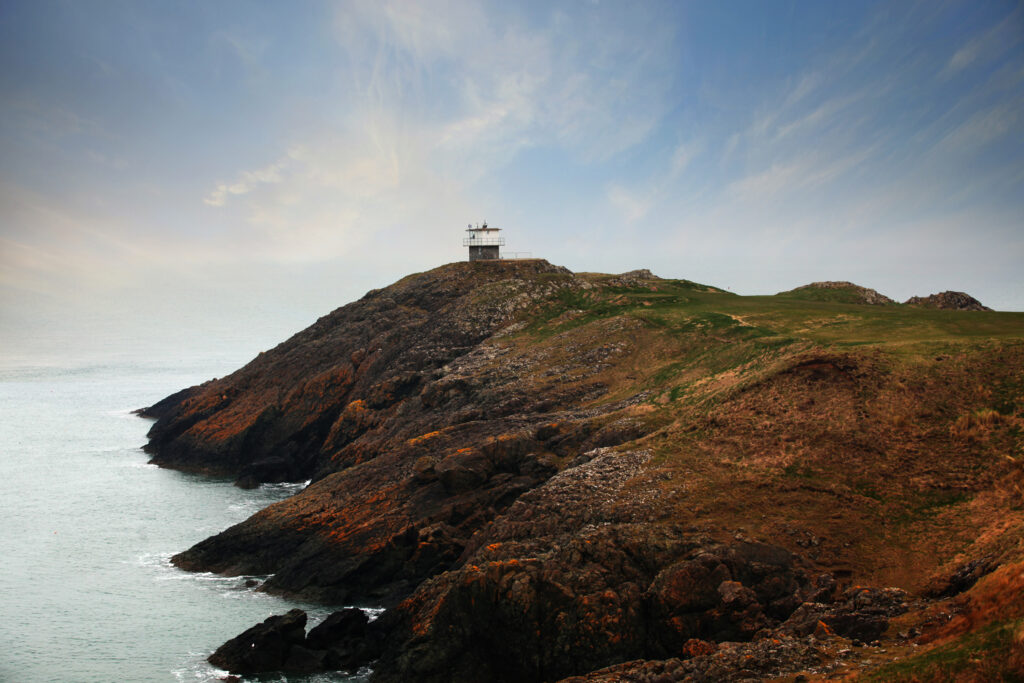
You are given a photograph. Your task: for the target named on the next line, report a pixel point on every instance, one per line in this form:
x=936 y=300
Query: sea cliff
x=543 y=473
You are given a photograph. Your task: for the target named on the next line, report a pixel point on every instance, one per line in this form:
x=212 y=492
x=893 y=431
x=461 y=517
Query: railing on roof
x=483 y=241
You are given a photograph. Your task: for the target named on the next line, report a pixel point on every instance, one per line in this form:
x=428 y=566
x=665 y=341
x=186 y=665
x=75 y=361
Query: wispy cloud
x=397 y=152
x=782 y=180
x=981 y=128
x=988 y=45
x=247 y=181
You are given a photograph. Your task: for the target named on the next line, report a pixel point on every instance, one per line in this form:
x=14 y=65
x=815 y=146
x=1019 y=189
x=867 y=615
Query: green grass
x=689 y=309
x=927 y=504
x=800 y=472
x=986 y=653
x=707 y=331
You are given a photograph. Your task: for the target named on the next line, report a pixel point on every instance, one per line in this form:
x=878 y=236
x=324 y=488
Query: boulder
x=264 y=647
x=464 y=470
x=722 y=593
x=302 y=660
x=861 y=614
x=346 y=624
x=962 y=578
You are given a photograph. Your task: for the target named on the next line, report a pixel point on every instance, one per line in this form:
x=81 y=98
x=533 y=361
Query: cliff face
x=288 y=414
x=417 y=434
x=543 y=474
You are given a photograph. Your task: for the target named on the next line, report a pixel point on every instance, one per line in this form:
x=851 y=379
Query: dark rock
x=604 y=594
x=756 y=661
x=248 y=482
x=264 y=647
x=423 y=469
x=464 y=470
x=857 y=625
x=862 y=614
x=270 y=469
x=165 y=405
x=722 y=593
x=962 y=578
x=348 y=640
x=949 y=300
x=344 y=625
x=821 y=590
x=304 y=661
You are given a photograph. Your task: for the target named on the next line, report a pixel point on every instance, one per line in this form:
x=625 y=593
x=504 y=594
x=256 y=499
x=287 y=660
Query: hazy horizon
x=193 y=175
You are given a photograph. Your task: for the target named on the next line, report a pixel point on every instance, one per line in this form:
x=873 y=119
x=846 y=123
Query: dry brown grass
x=976 y=424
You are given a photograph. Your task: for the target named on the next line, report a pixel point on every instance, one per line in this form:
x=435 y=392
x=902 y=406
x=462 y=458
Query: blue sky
x=171 y=170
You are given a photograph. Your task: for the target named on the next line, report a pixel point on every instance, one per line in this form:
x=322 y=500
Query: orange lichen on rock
x=697 y=648
x=416 y=440
x=224 y=424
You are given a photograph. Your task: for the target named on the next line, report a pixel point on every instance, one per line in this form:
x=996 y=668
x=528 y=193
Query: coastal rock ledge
x=340 y=643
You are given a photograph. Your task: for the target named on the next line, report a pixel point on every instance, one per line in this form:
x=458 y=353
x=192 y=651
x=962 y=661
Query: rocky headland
x=546 y=475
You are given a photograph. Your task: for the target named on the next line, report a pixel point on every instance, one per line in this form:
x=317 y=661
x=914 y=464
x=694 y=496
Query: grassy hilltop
x=882 y=441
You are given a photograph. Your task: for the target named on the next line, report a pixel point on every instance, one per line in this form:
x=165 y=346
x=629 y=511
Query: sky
x=174 y=174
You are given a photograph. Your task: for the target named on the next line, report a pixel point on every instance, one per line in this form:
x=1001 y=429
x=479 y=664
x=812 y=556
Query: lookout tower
x=483 y=242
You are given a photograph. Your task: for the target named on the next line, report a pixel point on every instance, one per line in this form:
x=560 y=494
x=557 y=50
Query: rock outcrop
x=277 y=644
x=339 y=643
x=846 y=292
x=286 y=415
x=950 y=301
x=608 y=594
x=417 y=421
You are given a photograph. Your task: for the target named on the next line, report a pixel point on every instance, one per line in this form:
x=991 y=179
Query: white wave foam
x=198 y=670
x=286 y=488
x=138 y=465
x=160 y=564
x=123 y=413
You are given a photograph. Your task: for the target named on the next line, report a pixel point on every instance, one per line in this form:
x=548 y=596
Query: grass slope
x=882 y=443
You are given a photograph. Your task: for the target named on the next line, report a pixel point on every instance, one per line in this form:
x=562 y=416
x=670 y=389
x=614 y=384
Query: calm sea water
x=87 y=593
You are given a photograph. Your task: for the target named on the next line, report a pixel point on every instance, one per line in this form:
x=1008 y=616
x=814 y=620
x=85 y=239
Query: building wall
x=480 y=253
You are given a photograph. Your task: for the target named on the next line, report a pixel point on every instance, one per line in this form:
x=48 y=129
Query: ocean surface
x=87 y=528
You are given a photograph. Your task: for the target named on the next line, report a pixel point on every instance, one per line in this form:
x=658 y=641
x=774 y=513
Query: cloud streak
x=248 y=181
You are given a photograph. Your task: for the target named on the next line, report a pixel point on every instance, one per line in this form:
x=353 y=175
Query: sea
x=88 y=527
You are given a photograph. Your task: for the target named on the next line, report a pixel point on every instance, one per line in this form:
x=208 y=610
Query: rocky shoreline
x=546 y=476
